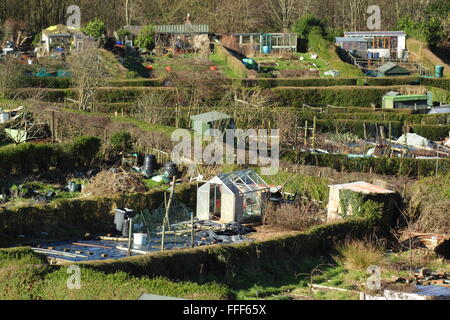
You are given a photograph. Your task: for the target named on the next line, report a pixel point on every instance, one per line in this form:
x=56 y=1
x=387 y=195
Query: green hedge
x=345 y=96
x=26 y=157
x=65 y=83
x=431 y=132
x=234 y=63
x=302 y=82
x=388 y=166
x=74 y=217
x=357 y=127
x=437 y=83
x=241 y=263
x=104 y=94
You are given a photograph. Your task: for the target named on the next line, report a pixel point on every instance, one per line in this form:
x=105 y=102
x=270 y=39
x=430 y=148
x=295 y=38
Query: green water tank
x=439 y=71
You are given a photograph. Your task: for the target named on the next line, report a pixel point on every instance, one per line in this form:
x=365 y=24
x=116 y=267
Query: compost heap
x=108 y=182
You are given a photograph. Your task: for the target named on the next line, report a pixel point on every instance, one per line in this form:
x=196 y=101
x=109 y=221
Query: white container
x=140 y=239
x=4 y=116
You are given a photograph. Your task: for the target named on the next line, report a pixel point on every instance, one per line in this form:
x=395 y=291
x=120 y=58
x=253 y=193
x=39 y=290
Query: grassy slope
x=327 y=51
x=25 y=275
x=422 y=49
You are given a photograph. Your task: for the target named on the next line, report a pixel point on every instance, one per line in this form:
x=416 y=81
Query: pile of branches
x=109 y=182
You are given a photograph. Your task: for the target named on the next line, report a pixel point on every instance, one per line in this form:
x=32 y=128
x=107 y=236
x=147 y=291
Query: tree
x=10 y=76
x=96 y=29
x=305 y=24
x=145 y=39
x=88 y=72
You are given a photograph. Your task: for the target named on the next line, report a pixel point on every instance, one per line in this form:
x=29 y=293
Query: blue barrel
x=439 y=71
x=266 y=49
x=369 y=55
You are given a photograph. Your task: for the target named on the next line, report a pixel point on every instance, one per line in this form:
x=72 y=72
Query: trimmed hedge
x=74 y=217
x=431 y=132
x=26 y=157
x=234 y=63
x=300 y=82
x=346 y=96
x=244 y=262
x=388 y=166
x=65 y=83
x=104 y=94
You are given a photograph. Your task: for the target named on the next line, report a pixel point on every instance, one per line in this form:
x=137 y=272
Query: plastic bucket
x=266 y=49
x=439 y=71
x=140 y=239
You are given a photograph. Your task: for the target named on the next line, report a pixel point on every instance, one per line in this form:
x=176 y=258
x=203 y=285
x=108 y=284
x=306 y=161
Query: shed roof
x=391 y=66
x=210 y=116
x=440 y=109
x=182 y=28
x=239 y=182
x=350 y=39
x=406 y=97
x=374 y=33
x=61 y=30
x=361 y=187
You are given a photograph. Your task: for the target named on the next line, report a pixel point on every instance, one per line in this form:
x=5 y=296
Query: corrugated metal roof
x=407 y=97
x=210 y=116
x=182 y=28
x=374 y=33
x=347 y=39
x=362 y=187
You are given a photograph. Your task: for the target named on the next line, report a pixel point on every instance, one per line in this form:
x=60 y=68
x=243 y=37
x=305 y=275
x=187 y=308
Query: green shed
x=202 y=123
x=414 y=101
x=392 y=69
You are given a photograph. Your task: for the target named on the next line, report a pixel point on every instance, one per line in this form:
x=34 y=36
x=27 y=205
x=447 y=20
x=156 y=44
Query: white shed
x=232 y=197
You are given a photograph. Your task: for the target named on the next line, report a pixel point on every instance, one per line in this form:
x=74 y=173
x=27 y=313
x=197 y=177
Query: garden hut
x=350 y=200
x=204 y=122
x=232 y=197
x=392 y=69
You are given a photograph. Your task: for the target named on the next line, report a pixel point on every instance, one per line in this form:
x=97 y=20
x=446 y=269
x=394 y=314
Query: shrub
x=299 y=216
x=359 y=255
x=121 y=141
x=145 y=39
x=95 y=28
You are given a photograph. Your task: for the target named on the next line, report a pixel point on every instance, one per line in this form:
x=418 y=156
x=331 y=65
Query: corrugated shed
x=182 y=28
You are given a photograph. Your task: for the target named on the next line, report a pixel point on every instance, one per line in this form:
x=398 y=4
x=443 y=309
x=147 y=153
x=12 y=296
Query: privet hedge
x=24 y=158
x=247 y=261
x=74 y=217
x=345 y=96
x=389 y=166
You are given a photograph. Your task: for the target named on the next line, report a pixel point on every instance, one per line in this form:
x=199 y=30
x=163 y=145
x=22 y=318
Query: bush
x=387 y=166
x=121 y=141
x=95 y=28
x=299 y=216
x=359 y=255
x=432 y=132
x=24 y=158
x=145 y=39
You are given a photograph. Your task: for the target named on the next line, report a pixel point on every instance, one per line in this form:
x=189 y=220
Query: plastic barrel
x=140 y=239
x=266 y=49
x=439 y=71
x=150 y=163
x=171 y=169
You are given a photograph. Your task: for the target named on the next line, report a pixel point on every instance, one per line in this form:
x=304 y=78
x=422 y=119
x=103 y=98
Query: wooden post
x=437 y=159
x=314 y=133
x=192 y=228
x=390 y=137
x=296 y=134
x=130 y=232
x=305 y=141
x=365 y=131
x=166 y=217
x=53 y=127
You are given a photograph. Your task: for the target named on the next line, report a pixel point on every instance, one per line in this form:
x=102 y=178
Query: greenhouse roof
x=244 y=181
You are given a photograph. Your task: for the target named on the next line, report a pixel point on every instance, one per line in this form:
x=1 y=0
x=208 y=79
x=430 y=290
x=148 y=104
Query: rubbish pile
x=426 y=277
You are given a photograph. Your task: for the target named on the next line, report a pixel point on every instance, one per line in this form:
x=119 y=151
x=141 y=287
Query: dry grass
x=298 y=216
x=359 y=255
x=109 y=183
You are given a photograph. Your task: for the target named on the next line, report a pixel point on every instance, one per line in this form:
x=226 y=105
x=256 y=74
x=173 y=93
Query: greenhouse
x=232 y=197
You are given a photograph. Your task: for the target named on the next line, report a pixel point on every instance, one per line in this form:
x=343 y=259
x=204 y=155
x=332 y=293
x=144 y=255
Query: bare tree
x=10 y=72
x=89 y=73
